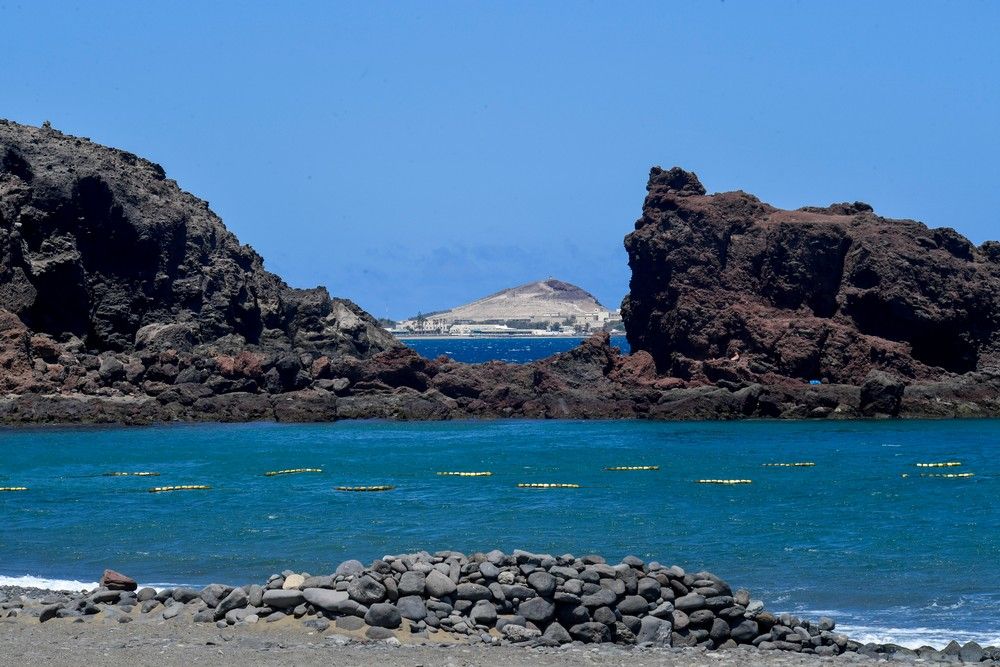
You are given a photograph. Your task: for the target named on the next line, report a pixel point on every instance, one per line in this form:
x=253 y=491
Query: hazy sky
x=412 y=156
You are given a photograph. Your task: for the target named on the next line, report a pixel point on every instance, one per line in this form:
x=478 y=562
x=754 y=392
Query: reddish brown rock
x=726 y=287
x=117 y=581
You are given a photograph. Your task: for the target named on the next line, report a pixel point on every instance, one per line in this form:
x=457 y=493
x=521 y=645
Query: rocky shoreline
x=485 y=599
x=124 y=299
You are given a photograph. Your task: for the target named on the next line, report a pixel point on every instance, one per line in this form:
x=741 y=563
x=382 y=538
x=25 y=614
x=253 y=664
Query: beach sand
x=24 y=641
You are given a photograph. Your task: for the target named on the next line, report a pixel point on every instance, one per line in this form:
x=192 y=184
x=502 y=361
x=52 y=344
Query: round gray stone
x=354 y=567
x=484 y=613
x=438 y=585
x=633 y=605
x=537 y=610
x=365 y=590
x=543 y=583
x=383 y=615
x=411 y=583
x=412 y=607
x=473 y=592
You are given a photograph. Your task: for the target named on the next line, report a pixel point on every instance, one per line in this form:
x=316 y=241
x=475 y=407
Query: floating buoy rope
x=363 y=489
x=291 y=471
x=797 y=464
x=184 y=487
x=484 y=473
x=131 y=474
x=548 y=486
x=631 y=468
x=13 y=488
x=950 y=475
x=725 y=481
x=944 y=464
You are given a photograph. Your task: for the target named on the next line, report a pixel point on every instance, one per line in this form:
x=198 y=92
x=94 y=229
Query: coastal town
x=546 y=308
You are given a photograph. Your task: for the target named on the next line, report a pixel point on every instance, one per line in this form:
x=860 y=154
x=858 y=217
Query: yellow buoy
x=949 y=475
x=484 y=473
x=797 y=464
x=184 y=487
x=131 y=474
x=631 y=468
x=945 y=464
x=548 y=486
x=13 y=488
x=725 y=481
x=291 y=471
x=362 y=489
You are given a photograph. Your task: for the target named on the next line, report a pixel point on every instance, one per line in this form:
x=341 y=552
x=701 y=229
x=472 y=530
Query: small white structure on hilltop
x=546 y=307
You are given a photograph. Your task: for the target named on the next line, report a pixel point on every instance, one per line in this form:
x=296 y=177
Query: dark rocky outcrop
x=725 y=286
x=125 y=300
x=100 y=252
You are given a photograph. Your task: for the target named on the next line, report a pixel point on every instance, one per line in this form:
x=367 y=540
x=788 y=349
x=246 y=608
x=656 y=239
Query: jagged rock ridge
x=100 y=252
x=727 y=286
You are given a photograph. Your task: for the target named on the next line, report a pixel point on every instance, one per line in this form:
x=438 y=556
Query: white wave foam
x=914 y=637
x=28 y=581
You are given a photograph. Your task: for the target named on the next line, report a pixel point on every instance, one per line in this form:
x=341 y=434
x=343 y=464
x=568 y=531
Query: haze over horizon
x=420 y=158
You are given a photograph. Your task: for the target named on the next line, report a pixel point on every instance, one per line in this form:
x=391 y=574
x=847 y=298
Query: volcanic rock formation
x=101 y=253
x=125 y=300
x=726 y=286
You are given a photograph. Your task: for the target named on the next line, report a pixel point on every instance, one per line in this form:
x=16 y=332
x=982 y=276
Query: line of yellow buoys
x=183 y=487
x=131 y=474
x=523 y=485
x=725 y=481
x=365 y=489
x=797 y=464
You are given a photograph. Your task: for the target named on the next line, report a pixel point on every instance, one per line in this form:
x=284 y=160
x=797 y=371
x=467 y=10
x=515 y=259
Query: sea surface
x=511 y=350
x=860 y=536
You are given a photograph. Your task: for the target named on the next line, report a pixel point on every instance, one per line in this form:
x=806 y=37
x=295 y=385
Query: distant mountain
x=541 y=304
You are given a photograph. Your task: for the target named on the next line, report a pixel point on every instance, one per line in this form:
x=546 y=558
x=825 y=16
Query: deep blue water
x=906 y=558
x=512 y=350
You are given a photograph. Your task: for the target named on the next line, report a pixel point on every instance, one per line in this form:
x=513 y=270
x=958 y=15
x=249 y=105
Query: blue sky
x=412 y=156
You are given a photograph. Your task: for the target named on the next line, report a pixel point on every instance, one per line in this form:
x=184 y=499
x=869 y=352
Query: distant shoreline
x=502 y=337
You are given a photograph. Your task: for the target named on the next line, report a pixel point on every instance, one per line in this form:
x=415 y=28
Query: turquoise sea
x=511 y=350
x=904 y=558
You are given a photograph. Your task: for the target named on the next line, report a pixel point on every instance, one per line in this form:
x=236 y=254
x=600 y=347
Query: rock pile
x=522 y=597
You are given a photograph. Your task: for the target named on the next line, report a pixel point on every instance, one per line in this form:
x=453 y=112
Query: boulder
x=237 y=599
x=654 y=630
x=283 y=599
x=366 y=590
x=543 y=583
x=438 y=585
x=411 y=583
x=557 y=634
x=324 y=598
x=412 y=607
x=537 y=610
x=591 y=632
x=383 y=615
x=483 y=613
x=117 y=581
